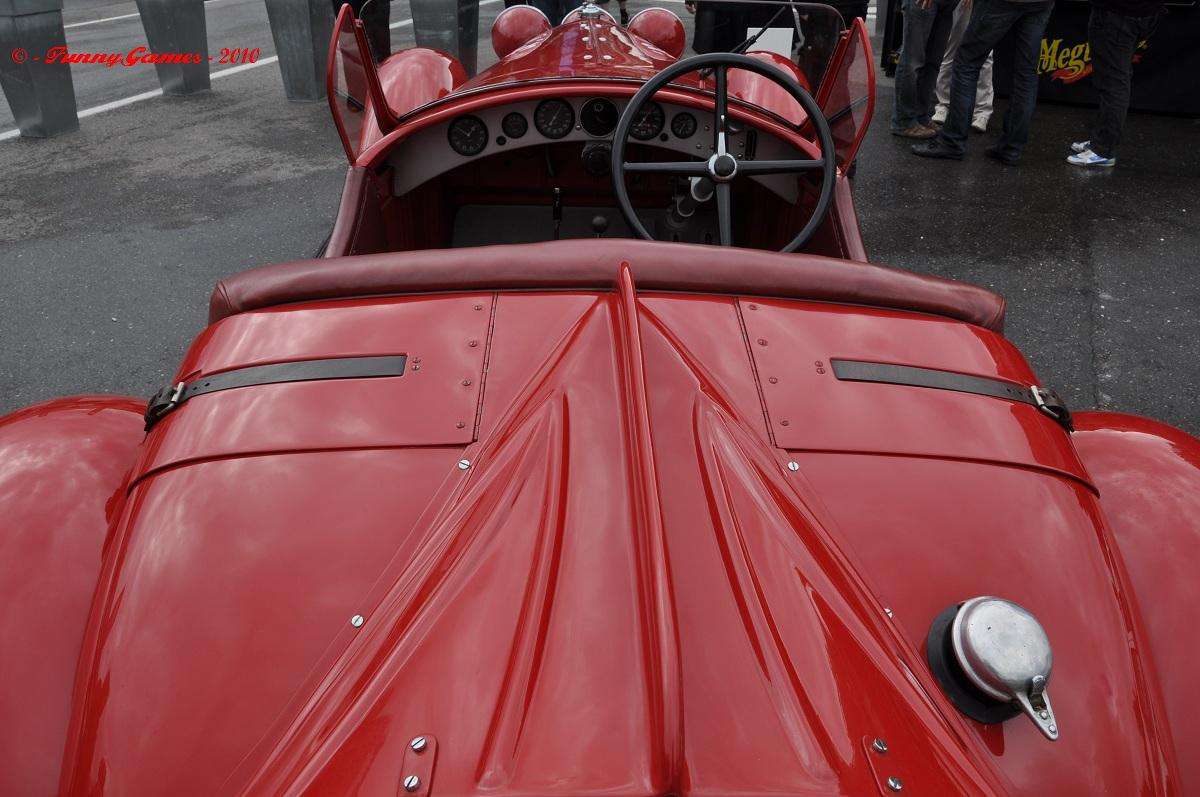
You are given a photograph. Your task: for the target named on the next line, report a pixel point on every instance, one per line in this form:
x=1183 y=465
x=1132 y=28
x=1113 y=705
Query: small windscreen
x=848 y=93
x=347 y=87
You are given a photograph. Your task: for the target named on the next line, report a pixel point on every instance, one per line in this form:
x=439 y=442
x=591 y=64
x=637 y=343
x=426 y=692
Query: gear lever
x=599 y=225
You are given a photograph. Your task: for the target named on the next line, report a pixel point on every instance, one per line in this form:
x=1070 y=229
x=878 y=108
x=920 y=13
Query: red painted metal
x=1149 y=479
x=661 y=28
x=516 y=26
x=626 y=590
x=63 y=466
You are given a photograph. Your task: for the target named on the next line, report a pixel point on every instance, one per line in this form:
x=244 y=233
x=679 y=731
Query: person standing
x=926 y=29
x=375 y=16
x=1115 y=28
x=984 y=94
x=990 y=22
x=556 y=10
x=622 y=7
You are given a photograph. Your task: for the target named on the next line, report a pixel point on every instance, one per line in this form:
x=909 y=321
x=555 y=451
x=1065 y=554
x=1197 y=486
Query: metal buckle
x=1051 y=404
x=160 y=404
x=1041 y=402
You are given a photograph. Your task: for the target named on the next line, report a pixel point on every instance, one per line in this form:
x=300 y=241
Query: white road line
x=98 y=21
x=114 y=19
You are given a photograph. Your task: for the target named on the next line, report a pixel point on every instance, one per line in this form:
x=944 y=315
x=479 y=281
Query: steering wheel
x=722 y=167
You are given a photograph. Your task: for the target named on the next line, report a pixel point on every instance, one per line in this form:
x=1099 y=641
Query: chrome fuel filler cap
x=993 y=659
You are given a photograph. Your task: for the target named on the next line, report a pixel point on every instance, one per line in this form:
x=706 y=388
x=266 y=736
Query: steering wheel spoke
x=720 y=109
x=686 y=168
x=778 y=167
x=724 y=214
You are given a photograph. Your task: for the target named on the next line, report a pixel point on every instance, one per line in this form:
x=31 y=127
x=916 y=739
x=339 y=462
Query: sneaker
x=936 y=149
x=915 y=130
x=979 y=123
x=1080 y=146
x=1089 y=158
x=939 y=114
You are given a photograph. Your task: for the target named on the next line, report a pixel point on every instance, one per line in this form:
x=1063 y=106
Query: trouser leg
x=1113 y=40
x=958 y=27
x=989 y=22
x=985 y=93
x=918 y=22
x=375 y=16
x=1027 y=36
x=935 y=48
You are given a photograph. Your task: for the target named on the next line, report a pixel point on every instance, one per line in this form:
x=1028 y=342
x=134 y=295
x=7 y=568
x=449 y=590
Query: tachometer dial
x=514 y=125
x=649 y=122
x=468 y=135
x=683 y=125
x=554 y=118
x=598 y=116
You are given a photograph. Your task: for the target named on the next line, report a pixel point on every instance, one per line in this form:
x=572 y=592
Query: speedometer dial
x=649 y=122
x=554 y=118
x=468 y=135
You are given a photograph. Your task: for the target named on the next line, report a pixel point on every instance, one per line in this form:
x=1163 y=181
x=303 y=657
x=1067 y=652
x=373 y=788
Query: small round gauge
x=598 y=116
x=514 y=125
x=683 y=125
x=468 y=135
x=554 y=118
x=649 y=122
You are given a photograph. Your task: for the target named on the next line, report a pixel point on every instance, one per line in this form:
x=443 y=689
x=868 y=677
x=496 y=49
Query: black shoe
x=936 y=148
x=997 y=153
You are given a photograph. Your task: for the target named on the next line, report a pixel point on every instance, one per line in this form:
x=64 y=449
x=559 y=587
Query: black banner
x=1166 y=69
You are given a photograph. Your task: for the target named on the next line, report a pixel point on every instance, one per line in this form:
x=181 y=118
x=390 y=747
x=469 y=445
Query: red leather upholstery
x=593 y=265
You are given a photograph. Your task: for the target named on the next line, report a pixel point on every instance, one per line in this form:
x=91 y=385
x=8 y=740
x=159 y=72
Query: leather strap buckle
x=162 y=402
x=1050 y=403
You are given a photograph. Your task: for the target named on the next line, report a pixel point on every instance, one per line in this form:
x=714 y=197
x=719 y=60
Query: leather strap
x=170 y=397
x=1044 y=399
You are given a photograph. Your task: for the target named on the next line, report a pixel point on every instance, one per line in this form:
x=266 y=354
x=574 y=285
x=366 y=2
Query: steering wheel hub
x=723 y=167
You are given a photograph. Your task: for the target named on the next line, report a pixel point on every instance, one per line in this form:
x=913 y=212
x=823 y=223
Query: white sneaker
x=1089 y=158
x=940 y=113
x=979 y=124
x=1080 y=146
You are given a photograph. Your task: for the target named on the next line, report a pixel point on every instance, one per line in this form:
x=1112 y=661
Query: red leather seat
x=593 y=265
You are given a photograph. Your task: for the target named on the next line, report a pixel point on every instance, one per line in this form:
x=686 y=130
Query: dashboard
x=587 y=120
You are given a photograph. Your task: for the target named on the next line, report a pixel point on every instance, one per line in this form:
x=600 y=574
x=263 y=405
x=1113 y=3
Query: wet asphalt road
x=111 y=237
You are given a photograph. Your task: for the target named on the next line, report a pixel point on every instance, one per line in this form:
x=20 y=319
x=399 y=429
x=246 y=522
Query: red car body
x=617 y=529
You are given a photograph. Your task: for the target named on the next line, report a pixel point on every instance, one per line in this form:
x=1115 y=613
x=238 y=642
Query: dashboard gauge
x=514 y=125
x=649 y=122
x=468 y=135
x=598 y=116
x=683 y=125
x=554 y=118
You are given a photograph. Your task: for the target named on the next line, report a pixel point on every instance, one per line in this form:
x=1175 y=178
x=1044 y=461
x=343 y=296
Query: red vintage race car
x=593 y=457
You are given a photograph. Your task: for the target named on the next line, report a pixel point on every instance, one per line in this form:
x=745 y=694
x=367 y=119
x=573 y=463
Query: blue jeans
x=926 y=31
x=989 y=23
